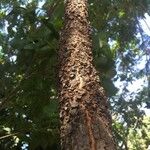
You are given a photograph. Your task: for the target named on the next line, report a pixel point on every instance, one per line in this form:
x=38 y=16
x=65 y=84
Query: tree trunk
x=85 y=120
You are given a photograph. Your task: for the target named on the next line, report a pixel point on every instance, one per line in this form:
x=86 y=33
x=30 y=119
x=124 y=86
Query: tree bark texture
x=85 y=120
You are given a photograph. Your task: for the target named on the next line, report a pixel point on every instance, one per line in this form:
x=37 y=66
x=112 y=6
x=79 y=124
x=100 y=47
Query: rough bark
x=85 y=120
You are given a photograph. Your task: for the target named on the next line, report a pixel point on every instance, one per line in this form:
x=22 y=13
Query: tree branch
x=9 y=135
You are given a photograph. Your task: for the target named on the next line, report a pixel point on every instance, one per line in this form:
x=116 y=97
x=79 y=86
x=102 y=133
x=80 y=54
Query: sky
x=146 y=28
x=145 y=23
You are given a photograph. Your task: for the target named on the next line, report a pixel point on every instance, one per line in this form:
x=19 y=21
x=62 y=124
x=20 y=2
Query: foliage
x=140 y=135
x=29 y=33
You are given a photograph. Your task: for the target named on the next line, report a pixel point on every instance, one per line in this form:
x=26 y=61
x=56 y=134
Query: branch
x=9 y=135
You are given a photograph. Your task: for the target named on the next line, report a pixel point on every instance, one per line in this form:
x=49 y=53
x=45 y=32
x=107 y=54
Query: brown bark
x=85 y=120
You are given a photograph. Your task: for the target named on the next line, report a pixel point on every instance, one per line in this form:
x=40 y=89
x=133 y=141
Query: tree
x=29 y=36
x=85 y=120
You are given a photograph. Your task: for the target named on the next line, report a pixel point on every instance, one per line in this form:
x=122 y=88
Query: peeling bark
x=85 y=120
